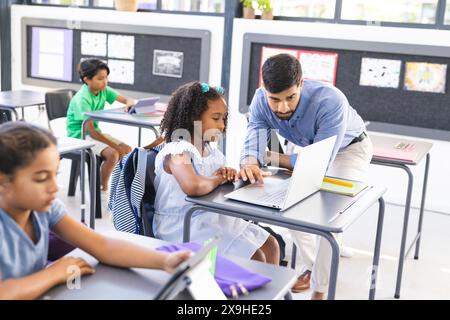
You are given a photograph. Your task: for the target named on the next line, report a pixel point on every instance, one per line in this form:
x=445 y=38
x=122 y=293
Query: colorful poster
x=425 y=77
x=320 y=66
x=383 y=73
x=316 y=65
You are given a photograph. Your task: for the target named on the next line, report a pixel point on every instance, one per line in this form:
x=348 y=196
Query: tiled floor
x=426 y=278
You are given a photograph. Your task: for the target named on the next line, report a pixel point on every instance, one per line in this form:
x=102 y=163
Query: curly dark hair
x=186 y=105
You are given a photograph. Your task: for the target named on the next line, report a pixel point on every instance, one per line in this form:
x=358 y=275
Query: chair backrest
x=57 y=103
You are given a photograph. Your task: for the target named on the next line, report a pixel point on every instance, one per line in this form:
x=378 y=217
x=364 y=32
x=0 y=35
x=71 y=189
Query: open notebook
x=356 y=187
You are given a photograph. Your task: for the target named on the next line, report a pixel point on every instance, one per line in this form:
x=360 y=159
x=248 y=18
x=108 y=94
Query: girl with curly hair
x=188 y=165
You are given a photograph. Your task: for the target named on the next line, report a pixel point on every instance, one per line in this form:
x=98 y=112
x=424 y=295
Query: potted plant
x=126 y=5
x=249 y=12
x=266 y=8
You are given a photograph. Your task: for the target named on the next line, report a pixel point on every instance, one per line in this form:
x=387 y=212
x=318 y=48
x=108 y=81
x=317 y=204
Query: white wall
x=394 y=179
x=214 y=24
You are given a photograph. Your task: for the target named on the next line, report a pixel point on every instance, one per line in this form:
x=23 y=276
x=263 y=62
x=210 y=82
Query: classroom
x=212 y=150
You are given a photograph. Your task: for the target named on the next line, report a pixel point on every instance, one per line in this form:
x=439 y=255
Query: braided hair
x=186 y=105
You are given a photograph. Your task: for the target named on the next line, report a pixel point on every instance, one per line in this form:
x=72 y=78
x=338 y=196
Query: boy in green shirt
x=92 y=96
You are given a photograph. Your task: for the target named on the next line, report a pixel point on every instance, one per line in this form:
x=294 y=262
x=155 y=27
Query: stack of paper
x=395 y=154
x=348 y=187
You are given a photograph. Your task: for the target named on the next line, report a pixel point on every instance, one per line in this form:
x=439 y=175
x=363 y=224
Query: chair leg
x=74 y=173
x=98 y=200
x=98 y=204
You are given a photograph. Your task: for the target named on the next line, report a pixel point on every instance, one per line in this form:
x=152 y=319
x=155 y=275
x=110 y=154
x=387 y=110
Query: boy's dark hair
x=186 y=105
x=89 y=68
x=281 y=72
x=19 y=144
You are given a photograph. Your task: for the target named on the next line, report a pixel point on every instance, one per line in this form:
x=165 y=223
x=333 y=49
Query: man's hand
x=253 y=173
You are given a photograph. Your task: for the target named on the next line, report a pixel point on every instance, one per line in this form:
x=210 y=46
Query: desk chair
x=5 y=116
x=57 y=103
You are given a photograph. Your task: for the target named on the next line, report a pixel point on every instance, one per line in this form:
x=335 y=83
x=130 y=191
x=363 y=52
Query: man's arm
x=254 y=151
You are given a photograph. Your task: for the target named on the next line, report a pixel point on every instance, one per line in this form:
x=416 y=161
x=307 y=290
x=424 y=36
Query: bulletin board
x=142 y=59
x=405 y=100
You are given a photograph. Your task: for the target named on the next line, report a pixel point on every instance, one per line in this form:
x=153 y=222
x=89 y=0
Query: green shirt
x=86 y=101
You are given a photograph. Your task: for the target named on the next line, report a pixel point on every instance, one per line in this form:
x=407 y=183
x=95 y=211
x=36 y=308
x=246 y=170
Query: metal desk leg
x=405 y=230
x=83 y=200
x=422 y=206
x=82 y=164
x=93 y=189
x=139 y=136
x=288 y=296
x=376 y=253
x=294 y=255
x=23 y=113
x=187 y=224
x=334 y=263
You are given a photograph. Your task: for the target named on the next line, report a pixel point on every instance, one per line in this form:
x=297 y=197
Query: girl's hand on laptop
x=227 y=174
x=173 y=259
x=253 y=173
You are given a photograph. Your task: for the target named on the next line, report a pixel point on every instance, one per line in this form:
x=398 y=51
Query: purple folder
x=228 y=274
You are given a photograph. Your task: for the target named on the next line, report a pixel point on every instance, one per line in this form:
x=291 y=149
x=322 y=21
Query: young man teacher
x=304 y=112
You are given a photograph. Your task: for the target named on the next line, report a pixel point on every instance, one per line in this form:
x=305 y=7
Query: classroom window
x=447 y=13
x=402 y=11
x=143 y=4
x=212 y=6
x=104 y=3
x=323 y=9
x=63 y=2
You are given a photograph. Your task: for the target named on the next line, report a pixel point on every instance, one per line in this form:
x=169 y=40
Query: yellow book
x=342 y=186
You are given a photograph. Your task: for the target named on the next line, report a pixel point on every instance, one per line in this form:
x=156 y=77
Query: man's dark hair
x=281 y=72
x=187 y=104
x=20 y=142
x=90 y=67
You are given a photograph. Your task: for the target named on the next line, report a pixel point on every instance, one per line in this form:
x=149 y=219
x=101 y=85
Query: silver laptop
x=307 y=176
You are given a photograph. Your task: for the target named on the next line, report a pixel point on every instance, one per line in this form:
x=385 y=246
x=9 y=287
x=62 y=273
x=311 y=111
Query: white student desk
x=142 y=284
x=66 y=145
x=421 y=150
x=318 y=214
x=13 y=100
x=119 y=116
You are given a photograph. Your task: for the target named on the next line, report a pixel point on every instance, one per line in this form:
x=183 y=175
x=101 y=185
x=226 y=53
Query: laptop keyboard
x=273 y=198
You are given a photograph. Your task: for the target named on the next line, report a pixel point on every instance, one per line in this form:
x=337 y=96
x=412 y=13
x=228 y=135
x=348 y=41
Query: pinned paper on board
x=383 y=73
x=320 y=66
x=121 y=47
x=93 y=44
x=316 y=65
x=121 y=71
x=168 y=63
x=425 y=77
